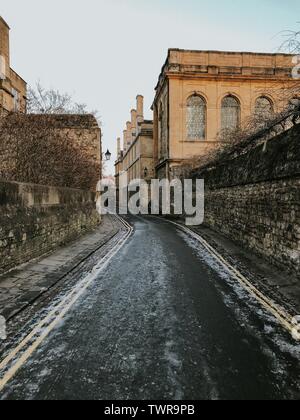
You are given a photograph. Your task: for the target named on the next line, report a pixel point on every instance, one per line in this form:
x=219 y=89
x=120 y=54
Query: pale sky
x=105 y=52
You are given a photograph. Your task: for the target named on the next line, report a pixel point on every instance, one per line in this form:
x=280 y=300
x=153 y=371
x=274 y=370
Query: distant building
x=201 y=93
x=136 y=158
x=12 y=86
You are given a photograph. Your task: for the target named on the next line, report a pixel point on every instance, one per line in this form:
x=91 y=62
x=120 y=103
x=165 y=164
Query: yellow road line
x=64 y=306
x=285 y=319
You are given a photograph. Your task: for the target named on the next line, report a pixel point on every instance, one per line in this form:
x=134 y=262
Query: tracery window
x=264 y=107
x=196 y=118
x=231 y=113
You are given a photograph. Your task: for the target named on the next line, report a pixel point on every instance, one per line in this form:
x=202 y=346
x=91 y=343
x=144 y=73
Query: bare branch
x=291 y=43
x=42 y=101
x=32 y=150
x=255 y=131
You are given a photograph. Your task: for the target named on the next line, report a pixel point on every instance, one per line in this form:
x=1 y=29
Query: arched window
x=196 y=118
x=264 y=107
x=161 y=123
x=163 y=128
x=231 y=113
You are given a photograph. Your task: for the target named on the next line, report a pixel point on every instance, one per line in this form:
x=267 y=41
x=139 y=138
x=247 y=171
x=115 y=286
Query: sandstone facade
x=12 y=86
x=201 y=93
x=136 y=158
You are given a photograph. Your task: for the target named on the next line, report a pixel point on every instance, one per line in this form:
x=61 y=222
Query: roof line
x=230 y=52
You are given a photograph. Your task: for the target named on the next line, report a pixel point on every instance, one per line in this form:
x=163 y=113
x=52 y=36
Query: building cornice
x=226 y=77
x=18 y=76
x=175 y=65
x=6 y=89
x=220 y=52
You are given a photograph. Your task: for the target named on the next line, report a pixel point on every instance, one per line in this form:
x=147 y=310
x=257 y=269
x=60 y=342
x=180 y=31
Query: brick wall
x=35 y=220
x=255 y=199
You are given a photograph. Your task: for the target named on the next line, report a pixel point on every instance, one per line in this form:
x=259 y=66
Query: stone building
x=81 y=132
x=201 y=93
x=12 y=86
x=136 y=158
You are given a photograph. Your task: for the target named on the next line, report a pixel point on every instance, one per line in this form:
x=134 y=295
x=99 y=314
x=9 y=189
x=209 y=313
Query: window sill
x=200 y=141
x=195 y=141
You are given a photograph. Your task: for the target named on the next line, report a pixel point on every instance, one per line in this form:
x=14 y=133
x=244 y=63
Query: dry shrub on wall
x=32 y=150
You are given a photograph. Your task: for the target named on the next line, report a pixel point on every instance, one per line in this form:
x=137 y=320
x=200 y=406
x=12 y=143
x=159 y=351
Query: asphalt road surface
x=162 y=321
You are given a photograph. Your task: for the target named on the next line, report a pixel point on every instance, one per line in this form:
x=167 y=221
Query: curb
x=285 y=319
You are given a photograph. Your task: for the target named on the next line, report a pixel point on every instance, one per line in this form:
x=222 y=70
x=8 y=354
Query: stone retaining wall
x=254 y=199
x=35 y=220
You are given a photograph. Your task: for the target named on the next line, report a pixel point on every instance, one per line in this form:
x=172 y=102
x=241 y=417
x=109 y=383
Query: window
x=196 y=118
x=163 y=128
x=231 y=113
x=16 y=96
x=264 y=107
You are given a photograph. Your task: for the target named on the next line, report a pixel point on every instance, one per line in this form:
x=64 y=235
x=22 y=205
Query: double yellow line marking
x=41 y=331
x=285 y=319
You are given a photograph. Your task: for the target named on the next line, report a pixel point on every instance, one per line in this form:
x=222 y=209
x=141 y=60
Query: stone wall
x=255 y=199
x=35 y=220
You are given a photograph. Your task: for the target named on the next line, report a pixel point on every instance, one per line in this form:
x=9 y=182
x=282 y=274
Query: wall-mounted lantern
x=107 y=155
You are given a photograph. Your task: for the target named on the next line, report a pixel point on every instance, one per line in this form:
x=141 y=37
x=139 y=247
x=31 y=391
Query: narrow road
x=162 y=321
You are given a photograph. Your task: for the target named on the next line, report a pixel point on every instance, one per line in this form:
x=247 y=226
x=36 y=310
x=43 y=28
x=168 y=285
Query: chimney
x=133 y=118
x=129 y=134
x=133 y=123
x=140 y=108
x=125 y=140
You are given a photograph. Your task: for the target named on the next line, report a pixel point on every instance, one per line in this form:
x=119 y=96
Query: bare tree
x=291 y=43
x=32 y=150
x=51 y=101
x=290 y=93
x=255 y=130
